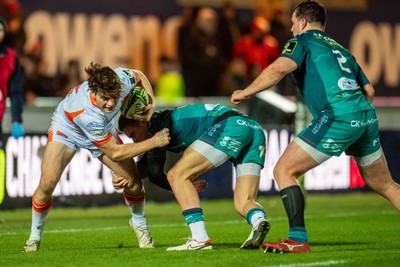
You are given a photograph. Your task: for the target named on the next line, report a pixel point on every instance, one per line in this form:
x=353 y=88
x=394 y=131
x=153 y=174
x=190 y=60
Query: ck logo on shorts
x=358 y=124
x=248 y=124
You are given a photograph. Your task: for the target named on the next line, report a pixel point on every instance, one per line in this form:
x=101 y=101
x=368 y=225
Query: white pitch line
x=273 y=219
x=166 y=225
x=57 y=231
x=310 y=264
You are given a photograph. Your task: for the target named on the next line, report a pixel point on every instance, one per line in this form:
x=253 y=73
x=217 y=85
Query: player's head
x=103 y=80
x=136 y=130
x=105 y=85
x=308 y=13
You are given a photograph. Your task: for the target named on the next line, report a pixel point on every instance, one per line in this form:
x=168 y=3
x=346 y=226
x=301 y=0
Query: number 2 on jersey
x=341 y=60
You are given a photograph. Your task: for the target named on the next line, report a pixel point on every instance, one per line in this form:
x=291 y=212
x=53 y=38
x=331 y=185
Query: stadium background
x=136 y=34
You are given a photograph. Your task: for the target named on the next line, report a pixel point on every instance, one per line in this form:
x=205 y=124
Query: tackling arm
x=268 y=78
x=119 y=152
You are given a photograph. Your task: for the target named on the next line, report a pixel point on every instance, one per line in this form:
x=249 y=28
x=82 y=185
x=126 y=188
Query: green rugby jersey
x=328 y=75
x=187 y=123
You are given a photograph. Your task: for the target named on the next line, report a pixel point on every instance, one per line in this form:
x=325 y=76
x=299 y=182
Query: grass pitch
x=354 y=229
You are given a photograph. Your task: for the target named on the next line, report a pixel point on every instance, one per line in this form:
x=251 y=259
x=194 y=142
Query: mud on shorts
x=356 y=134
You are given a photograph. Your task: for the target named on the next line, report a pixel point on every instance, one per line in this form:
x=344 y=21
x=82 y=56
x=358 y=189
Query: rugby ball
x=134 y=102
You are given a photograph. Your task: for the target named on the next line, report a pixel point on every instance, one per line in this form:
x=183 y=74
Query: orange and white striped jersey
x=79 y=123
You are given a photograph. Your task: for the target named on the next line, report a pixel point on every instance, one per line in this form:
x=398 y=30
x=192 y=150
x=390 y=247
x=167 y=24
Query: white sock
x=136 y=206
x=137 y=211
x=198 y=230
x=256 y=218
x=38 y=221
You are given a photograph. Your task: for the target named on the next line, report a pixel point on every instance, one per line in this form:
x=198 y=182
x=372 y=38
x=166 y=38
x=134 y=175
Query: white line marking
x=310 y=264
x=273 y=219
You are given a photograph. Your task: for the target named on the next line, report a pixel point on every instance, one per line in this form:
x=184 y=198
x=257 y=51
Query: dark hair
x=103 y=80
x=124 y=121
x=311 y=11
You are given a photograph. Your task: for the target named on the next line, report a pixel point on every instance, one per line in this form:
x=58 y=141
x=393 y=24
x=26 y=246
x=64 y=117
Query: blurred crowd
x=218 y=51
x=32 y=60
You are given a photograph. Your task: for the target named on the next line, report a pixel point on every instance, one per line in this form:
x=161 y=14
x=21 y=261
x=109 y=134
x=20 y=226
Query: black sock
x=293 y=201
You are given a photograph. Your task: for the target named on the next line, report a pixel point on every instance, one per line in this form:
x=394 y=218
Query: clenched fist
x=238 y=96
x=162 y=138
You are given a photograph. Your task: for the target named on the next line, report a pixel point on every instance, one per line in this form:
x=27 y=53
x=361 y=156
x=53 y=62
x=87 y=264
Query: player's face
x=296 y=25
x=137 y=132
x=105 y=103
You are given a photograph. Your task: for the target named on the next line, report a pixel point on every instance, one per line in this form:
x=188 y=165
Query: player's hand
x=119 y=182
x=200 y=185
x=162 y=138
x=17 y=130
x=238 y=96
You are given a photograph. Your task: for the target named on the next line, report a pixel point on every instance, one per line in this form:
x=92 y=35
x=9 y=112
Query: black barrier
x=87 y=182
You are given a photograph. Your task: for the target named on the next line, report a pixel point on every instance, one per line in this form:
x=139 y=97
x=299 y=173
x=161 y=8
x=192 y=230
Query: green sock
x=298 y=234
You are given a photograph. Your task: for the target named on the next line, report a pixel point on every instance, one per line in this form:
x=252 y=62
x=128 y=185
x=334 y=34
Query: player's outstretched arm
x=268 y=78
x=119 y=152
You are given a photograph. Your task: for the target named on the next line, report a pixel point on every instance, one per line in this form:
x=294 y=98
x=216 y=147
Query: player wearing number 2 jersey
x=333 y=80
x=339 y=97
x=84 y=119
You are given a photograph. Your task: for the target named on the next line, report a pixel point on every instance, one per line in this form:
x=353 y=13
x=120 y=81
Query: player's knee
x=171 y=176
x=278 y=172
x=281 y=172
x=174 y=175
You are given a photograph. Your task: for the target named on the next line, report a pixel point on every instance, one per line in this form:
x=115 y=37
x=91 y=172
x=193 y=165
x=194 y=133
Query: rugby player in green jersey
x=208 y=135
x=339 y=96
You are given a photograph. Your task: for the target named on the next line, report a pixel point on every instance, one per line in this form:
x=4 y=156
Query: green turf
x=358 y=229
